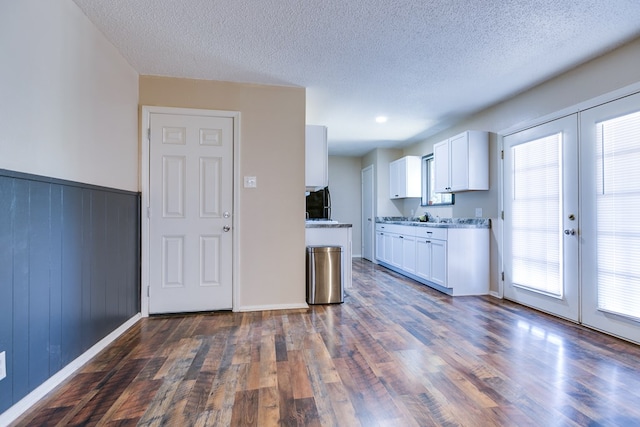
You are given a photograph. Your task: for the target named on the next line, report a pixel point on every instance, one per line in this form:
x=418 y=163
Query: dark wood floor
x=394 y=354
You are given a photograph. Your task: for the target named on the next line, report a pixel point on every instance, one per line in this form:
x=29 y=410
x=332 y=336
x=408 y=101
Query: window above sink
x=429 y=196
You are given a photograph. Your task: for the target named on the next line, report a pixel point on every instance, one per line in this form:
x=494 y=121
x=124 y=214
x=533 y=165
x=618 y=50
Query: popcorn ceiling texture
x=422 y=62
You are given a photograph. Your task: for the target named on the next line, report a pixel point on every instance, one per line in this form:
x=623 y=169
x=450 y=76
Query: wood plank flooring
x=396 y=353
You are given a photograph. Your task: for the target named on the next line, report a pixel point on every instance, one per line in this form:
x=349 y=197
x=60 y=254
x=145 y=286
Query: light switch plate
x=478 y=212
x=250 y=182
x=3 y=365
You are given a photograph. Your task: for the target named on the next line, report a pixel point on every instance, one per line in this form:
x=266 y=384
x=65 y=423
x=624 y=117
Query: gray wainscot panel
x=69 y=273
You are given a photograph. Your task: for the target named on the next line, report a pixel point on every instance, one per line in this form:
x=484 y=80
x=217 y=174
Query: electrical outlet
x=3 y=365
x=478 y=212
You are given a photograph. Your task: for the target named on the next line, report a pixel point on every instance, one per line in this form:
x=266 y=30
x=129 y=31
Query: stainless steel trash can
x=324 y=275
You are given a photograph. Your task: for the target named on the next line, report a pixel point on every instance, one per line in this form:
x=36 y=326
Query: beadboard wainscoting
x=69 y=273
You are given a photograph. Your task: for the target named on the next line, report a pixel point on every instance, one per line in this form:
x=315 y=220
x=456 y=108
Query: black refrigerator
x=319 y=204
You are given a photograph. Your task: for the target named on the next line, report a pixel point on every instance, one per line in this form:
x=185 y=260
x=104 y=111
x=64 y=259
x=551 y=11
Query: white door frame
x=363 y=214
x=145 y=186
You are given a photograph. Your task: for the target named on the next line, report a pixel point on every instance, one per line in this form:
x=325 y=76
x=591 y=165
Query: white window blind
x=536 y=227
x=618 y=206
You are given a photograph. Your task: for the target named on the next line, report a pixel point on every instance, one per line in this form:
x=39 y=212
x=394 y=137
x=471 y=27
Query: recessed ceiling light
x=381 y=119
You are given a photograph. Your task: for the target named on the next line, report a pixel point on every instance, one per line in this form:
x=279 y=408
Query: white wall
x=69 y=99
x=381 y=158
x=611 y=72
x=345 y=185
x=600 y=76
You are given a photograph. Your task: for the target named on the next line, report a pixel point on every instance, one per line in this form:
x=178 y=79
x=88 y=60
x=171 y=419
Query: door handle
x=226 y=228
x=570 y=232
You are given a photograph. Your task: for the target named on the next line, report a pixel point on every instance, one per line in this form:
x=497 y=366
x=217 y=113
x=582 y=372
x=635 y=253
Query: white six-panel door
x=191 y=202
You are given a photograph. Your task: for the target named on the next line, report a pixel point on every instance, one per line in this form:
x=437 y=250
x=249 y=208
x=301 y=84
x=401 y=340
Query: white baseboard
x=32 y=398
x=273 y=307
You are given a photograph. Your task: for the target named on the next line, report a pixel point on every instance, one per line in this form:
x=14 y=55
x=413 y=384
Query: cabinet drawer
x=395 y=228
x=431 y=233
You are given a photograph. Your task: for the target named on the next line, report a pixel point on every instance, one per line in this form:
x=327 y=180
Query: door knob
x=570 y=232
x=226 y=228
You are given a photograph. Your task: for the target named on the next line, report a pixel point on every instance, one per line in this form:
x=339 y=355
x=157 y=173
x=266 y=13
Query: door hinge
x=149 y=134
x=148 y=212
x=502 y=275
x=502 y=215
x=148 y=291
x=502 y=154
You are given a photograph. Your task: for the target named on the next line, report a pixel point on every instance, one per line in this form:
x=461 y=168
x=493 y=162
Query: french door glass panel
x=540 y=203
x=610 y=162
x=537 y=245
x=618 y=200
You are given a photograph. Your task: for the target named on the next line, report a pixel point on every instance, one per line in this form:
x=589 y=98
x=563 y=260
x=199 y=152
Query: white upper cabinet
x=404 y=177
x=462 y=163
x=316 y=160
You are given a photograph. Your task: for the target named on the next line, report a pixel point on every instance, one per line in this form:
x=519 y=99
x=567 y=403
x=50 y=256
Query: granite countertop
x=326 y=224
x=443 y=222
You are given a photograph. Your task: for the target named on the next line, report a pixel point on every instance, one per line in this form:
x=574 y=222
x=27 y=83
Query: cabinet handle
x=429 y=232
x=402 y=237
x=427 y=241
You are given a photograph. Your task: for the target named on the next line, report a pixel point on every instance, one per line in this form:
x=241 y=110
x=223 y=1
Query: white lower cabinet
x=408 y=253
x=396 y=251
x=439 y=263
x=452 y=260
x=432 y=264
x=431 y=244
x=423 y=253
x=379 y=245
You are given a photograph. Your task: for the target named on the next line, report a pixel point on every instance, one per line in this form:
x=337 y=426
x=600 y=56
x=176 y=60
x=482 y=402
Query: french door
x=571 y=200
x=541 y=217
x=610 y=197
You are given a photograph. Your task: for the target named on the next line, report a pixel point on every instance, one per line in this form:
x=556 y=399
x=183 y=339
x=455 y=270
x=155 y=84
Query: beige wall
x=271 y=217
x=69 y=99
x=345 y=184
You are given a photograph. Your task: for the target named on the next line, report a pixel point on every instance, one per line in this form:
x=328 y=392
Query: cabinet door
x=439 y=262
x=395 y=191
x=316 y=161
x=423 y=258
x=401 y=178
x=388 y=247
x=409 y=254
x=396 y=252
x=441 y=166
x=379 y=246
x=459 y=162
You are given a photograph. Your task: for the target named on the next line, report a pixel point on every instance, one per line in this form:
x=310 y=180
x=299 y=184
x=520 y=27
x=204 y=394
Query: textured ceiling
x=422 y=63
